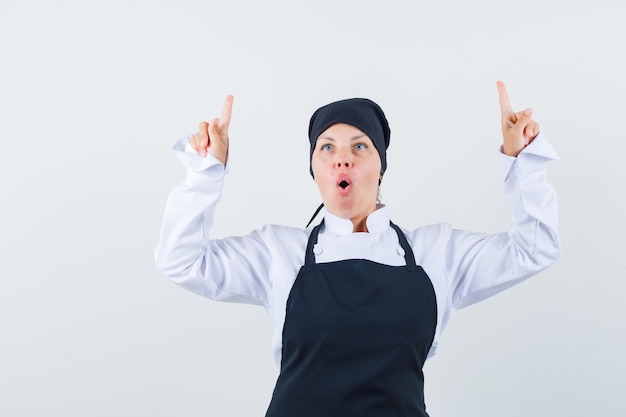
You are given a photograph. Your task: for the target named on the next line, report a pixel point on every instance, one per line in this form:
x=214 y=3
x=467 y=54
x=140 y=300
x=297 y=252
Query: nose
x=343 y=160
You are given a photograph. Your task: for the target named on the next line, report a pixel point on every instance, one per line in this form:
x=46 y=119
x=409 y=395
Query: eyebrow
x=353 y=138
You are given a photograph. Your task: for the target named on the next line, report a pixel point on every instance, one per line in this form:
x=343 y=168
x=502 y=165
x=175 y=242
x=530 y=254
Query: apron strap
x=309 y=258
x=408 y=252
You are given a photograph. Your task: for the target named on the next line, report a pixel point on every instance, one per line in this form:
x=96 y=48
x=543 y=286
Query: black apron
x=355 y=338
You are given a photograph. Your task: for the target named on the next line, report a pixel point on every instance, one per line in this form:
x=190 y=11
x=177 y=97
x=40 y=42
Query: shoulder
x=285 y=231
x=428 y=234
x=285 y=240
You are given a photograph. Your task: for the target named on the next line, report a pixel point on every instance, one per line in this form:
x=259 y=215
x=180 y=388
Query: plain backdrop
x=94 y=94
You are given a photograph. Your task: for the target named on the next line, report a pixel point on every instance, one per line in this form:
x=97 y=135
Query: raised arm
x=235 y=269
x=479 y=265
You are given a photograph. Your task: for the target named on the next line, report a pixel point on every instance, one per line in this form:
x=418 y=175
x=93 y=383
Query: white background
x=92 y=96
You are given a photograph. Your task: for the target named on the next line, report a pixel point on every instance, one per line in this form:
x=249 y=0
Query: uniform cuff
x=538 y=151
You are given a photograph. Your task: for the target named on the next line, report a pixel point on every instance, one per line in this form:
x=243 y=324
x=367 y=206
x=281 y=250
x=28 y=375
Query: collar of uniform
x=377 y=221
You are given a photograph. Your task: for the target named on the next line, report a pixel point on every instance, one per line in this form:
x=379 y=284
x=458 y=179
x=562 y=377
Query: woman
x=357 y=303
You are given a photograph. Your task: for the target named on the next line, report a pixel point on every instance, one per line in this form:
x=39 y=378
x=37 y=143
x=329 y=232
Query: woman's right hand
x=212 y=137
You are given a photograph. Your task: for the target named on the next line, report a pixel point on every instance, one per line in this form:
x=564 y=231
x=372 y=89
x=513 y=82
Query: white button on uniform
x=400 y=251
x=317 y=249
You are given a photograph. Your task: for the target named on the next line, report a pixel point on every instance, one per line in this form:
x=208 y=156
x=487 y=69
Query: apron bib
x=355 y=338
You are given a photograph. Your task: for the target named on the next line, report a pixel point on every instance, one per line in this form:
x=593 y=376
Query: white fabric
x=260 y=268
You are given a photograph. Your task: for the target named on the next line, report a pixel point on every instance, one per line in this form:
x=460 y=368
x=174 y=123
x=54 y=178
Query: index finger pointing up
x=226 y=112
x=505 y=104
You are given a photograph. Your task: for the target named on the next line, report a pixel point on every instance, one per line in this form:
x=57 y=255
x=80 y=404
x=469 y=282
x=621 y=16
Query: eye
x=327 y=147
x=360 y=146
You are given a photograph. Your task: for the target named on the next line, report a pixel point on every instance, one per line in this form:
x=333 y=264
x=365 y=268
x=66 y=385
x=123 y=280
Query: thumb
x=218 y=145
x=523 y=119
x=214 y=132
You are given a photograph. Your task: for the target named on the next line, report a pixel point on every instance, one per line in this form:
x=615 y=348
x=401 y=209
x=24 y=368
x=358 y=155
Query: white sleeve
x=480 y=265
x=235 y=269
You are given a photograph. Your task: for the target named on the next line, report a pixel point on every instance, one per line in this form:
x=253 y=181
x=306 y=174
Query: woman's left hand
x=518 y=129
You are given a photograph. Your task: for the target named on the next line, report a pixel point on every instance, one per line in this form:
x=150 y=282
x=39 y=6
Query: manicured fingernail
x=528 y=112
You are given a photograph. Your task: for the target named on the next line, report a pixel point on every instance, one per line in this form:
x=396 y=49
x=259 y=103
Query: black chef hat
x=361 y=113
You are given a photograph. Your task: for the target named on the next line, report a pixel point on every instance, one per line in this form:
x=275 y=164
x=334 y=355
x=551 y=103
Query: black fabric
x=361 y=113
x=315 y=214
x=355 y=339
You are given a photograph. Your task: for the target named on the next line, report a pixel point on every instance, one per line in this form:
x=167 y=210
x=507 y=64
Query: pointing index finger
x=505 y=103
x=226 y=112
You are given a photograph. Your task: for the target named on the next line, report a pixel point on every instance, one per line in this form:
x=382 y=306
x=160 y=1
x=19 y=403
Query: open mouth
x=344 y=184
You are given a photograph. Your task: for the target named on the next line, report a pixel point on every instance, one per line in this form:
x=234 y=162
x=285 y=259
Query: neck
x=359 y=225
